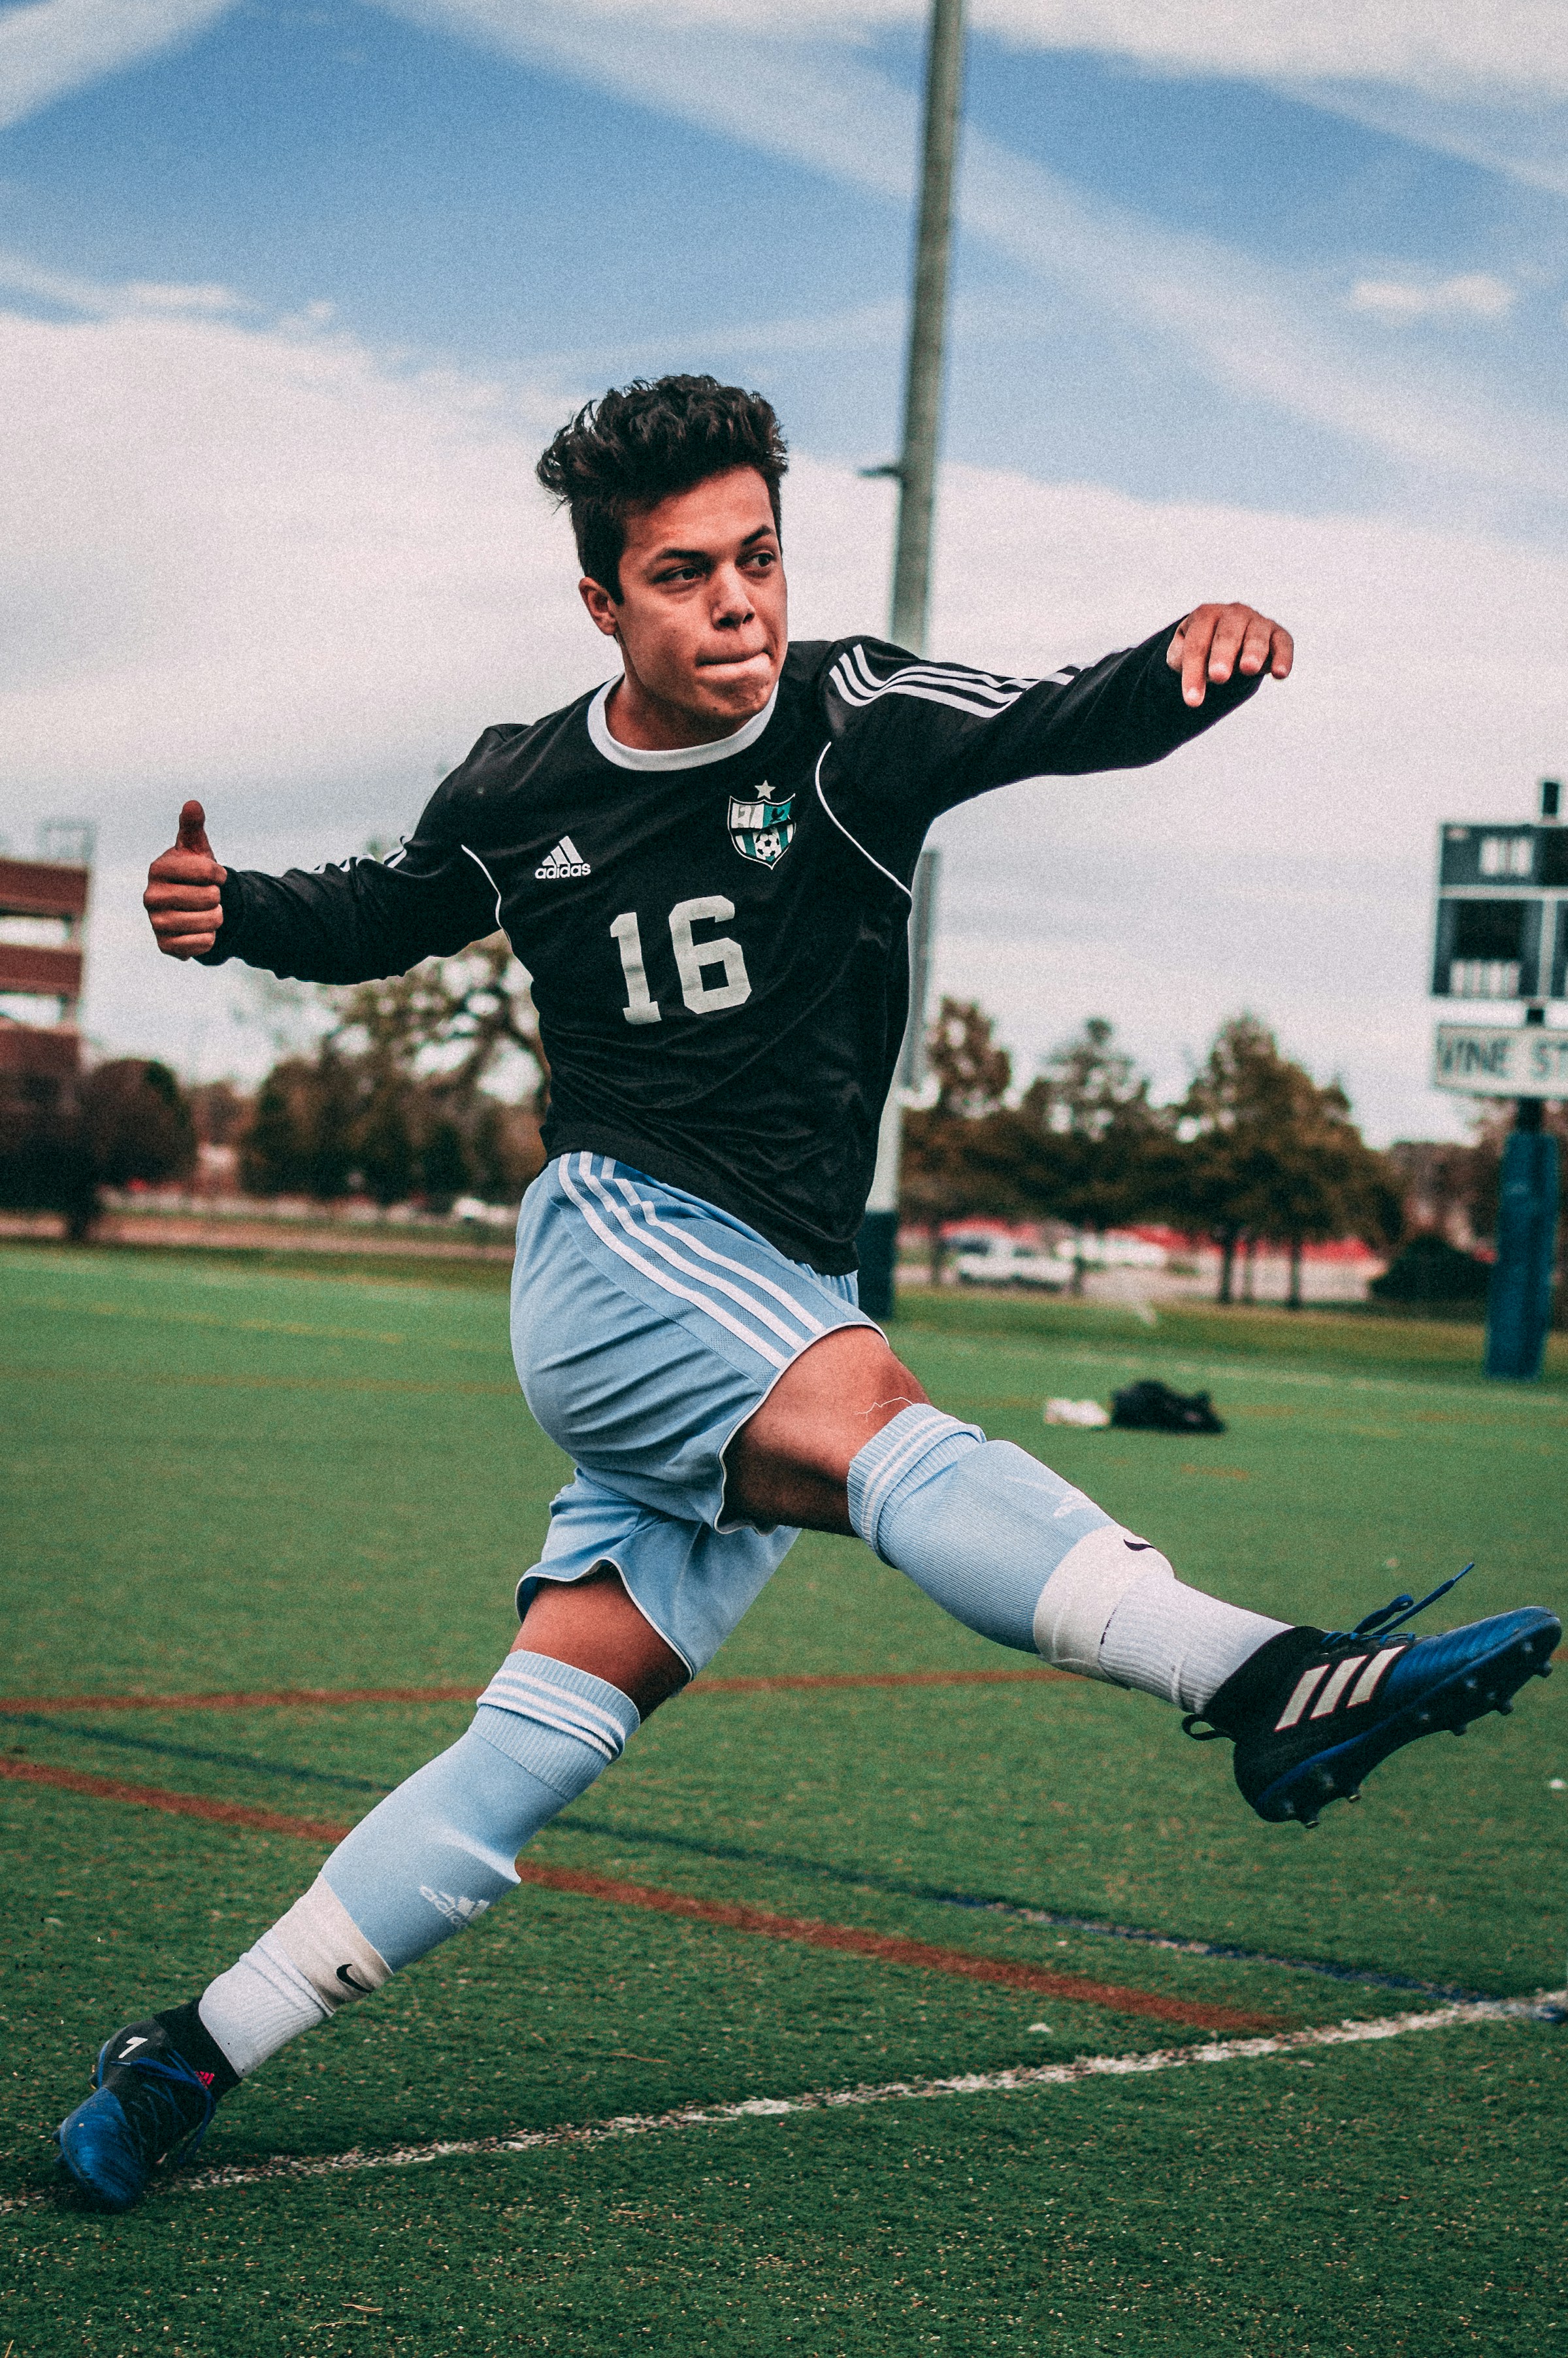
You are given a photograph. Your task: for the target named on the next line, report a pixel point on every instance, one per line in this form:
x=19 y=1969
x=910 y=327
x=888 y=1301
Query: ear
x=604 y=610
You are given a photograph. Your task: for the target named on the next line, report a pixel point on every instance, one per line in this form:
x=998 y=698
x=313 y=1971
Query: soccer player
x=706 y=867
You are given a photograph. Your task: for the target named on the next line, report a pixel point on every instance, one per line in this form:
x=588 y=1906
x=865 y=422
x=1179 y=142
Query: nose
x=731 y=607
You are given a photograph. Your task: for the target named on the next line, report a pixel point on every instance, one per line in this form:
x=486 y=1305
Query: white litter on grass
x=1072 y=1411
x=1021 y=2080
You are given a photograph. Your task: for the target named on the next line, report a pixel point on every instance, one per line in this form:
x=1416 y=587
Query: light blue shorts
x=647 y=1326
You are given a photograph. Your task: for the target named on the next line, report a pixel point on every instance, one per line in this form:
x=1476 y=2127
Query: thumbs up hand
x=182 y=899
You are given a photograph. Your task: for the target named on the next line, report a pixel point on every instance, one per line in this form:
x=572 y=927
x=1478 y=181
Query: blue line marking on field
x=249 y=1761
x=855 y=1877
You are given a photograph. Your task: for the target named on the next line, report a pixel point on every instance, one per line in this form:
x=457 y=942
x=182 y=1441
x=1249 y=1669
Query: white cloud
x=1475 y=296
x=292 y=577
x=1441 y=46
x=1209 y=307
x=22 y=276
x=57 y=46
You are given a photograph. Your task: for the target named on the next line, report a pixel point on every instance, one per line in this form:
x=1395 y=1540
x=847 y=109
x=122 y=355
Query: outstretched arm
x=912 y=738
x=352 y=923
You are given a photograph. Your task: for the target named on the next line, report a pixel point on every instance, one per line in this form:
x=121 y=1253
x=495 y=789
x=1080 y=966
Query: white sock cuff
x=320 y=1940
x=919 y=1442
x=571 y=1702
x=1077 y=1601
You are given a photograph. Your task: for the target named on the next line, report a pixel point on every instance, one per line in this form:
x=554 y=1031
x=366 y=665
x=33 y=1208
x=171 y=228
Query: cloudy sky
x=1250 y=301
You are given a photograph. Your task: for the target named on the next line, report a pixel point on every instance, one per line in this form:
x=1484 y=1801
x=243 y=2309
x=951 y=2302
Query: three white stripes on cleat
x=1339 y=1676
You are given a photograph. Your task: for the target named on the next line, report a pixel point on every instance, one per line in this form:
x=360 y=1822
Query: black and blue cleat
x=149 y=2105
x=1314 y=1711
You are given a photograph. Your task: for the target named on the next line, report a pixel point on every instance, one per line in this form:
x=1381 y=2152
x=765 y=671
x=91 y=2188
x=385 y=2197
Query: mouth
x=735 y=663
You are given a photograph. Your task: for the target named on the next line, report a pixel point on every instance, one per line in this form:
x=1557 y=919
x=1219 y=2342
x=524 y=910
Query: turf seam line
x=1018 y=1910
x=1021 y=2080
x=963 y=1965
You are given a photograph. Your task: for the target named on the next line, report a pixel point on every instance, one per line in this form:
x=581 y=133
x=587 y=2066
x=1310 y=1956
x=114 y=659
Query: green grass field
x=232 y=1475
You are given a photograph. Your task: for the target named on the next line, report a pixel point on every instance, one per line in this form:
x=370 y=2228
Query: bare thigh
x=788 y=1463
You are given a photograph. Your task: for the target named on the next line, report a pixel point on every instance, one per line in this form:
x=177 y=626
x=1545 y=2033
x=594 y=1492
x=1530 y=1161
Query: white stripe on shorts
x=805 y=1329
x=658 y=1277
x=694 y=1244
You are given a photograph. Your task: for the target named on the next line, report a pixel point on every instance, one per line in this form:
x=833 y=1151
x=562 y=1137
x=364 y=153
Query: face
x=702 y=621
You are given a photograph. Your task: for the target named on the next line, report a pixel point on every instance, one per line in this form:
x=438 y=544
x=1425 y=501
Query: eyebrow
x=703 y=556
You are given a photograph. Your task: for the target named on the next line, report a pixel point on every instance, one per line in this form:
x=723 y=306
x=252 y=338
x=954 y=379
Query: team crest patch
x=760 y=831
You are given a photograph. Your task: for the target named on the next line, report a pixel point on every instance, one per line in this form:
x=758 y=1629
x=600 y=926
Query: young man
x=705 y=867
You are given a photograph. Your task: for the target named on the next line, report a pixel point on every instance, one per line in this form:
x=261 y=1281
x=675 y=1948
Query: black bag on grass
x=1152 y=1407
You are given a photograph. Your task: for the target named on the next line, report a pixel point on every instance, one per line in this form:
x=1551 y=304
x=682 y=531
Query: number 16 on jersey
x=693 y=960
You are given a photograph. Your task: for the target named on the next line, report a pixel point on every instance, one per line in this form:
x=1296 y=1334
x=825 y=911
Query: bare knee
x=790 y=1461
x=593 y=1624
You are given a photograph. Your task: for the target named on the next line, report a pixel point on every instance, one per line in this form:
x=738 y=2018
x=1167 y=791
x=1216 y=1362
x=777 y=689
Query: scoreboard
x=1502 y=911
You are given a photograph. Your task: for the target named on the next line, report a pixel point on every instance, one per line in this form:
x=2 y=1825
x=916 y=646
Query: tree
x=452 y=1020
x=125 y=1121
x=1098 y=1150
x=960 y=1155
x=1269 y=1153
x=972 y=1069
x=393 y=1101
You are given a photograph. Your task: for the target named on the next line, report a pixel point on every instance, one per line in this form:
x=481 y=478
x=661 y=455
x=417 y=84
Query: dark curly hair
x=637 y=445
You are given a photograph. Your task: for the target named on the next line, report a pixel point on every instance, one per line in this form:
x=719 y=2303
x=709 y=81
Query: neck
x=651 y=725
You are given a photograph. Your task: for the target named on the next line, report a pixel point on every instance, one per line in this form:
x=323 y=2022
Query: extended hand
x=1214 y=641
x=182 y=898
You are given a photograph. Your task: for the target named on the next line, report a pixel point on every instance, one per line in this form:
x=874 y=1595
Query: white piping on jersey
x=488 y=878
x=657 y=1277
x=694 y=1244
x=668 y=1252
x=983 y=695
x=674 y=757
x=847 y=837
x=854 y=677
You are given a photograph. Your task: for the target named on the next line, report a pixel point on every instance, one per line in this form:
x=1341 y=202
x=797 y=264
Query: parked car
x=1002 y=1260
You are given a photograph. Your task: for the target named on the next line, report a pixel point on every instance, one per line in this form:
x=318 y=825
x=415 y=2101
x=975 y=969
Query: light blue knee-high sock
x=1011 y=1549
x=428 y=1860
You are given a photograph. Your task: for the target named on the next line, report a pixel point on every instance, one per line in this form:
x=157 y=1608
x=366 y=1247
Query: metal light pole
x=916 y=473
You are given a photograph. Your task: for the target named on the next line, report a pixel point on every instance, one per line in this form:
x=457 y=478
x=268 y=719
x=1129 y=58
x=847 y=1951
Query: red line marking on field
x=260 y=1699
x=963 y=1963
x=177 y=1805
x=732 y=1917
x=787 y=1682
x=325 y=1698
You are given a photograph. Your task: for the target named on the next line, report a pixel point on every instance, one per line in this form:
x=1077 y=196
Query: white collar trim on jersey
x=676 y=757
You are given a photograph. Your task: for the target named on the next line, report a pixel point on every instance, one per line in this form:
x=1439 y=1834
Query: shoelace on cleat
x=155 y=2109
x=1390 y=1616
x=1379 y=1625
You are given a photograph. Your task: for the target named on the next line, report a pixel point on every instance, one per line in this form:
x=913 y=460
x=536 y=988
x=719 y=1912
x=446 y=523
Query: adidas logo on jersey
x=565 y=860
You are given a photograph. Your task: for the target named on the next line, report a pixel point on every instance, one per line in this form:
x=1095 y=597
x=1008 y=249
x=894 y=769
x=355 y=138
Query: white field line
x=1019 y=2081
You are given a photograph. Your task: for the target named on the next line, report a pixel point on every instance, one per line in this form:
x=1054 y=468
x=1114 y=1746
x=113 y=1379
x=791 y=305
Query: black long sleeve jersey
x=717 y=936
